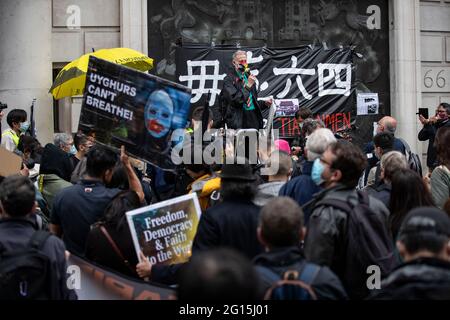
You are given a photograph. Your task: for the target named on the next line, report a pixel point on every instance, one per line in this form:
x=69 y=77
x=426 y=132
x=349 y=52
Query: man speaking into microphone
x=239 y=97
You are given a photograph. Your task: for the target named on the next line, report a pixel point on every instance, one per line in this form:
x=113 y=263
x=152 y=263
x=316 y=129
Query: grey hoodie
x=267 y=191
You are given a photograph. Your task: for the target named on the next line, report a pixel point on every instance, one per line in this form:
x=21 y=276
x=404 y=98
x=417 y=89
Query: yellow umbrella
x=72 y=78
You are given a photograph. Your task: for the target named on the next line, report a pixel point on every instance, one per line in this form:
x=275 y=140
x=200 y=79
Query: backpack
x=412 y=158
x=25 y=274
x=292 y=285
x=366 y=242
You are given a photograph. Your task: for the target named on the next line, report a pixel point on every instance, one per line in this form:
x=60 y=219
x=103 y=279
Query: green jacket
x=50 y=185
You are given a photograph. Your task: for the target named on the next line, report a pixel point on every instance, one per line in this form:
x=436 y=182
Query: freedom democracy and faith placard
x=164 y=232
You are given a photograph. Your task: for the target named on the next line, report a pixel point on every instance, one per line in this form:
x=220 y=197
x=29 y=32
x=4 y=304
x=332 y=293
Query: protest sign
x=135 y=109
x=164 y=232
x=10 y=163
x=367 y=103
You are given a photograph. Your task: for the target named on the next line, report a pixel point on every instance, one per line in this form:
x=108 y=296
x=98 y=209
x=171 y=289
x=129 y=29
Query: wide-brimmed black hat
x=234 y=171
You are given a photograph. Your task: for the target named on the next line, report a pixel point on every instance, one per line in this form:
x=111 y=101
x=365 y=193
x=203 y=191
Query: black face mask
x=243 y=69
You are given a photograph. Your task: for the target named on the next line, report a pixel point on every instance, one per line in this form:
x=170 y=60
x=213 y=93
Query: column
x=25 y=60
x=133 y=25
x=405 y=67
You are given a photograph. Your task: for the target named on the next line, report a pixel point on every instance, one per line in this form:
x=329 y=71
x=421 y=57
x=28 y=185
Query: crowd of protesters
x=299 y=227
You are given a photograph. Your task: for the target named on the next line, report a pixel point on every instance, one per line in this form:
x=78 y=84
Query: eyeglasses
x=441 y=111
x=324 y=161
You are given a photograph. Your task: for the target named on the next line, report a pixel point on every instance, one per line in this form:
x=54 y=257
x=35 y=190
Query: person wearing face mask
x=239 y=97
x=339 y=169
x=77 y=207
x=65 y=142
x=18 y=125
x=303 y=187
x=82 y=144
x=386 y=124
x=428 y=132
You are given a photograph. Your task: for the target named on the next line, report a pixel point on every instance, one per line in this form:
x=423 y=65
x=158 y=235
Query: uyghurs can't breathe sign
x=135 y=109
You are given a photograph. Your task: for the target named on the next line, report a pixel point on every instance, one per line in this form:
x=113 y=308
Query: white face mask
x=73 y=150
x=24 y=126
x=375 y=127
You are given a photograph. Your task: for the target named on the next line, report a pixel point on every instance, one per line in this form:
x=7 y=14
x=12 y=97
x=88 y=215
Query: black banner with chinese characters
x=305 y=76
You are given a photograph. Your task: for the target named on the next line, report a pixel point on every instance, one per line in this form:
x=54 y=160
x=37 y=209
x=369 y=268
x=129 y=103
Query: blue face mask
x=24 y=126
x=73 y=150
x=316 y=173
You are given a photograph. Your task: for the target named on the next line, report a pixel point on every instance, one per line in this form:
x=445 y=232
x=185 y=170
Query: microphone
x=244 y=69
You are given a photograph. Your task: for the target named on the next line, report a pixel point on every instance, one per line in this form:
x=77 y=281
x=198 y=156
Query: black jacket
x=423 y=278
x=233 y=96
x=56 y=161
x=428 y=132
x=326 y=284
x=15 y=234
x=380 y=191
x=327 y=230
x=230 y=224
x=302 y=189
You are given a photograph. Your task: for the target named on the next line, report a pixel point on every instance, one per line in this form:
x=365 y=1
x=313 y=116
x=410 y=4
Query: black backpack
x=292 y=285
x=412 y=158
x=367 y=242
x=25 y=274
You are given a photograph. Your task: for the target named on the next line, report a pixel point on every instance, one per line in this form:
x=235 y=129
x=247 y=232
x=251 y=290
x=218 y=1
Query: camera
x=3 y=106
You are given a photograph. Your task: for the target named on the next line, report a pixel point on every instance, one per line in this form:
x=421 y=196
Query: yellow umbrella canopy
x=72 y=78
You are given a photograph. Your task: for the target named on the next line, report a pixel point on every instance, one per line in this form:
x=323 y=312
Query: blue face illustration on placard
x=158 y=113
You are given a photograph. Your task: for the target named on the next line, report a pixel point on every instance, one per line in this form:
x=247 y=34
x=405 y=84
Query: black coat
x=230 y=224
x=233 y=96
x=325 y=242
x=428 y=132
x=380 y=191
x=423 y=278
x=15 y=234
x=326 y=284
x=227 y=224
x=55 y=161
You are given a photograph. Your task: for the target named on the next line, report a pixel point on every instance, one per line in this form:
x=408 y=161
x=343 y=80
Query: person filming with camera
x=430 y=127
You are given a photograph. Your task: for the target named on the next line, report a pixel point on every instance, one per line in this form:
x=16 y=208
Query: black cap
x=426 y=220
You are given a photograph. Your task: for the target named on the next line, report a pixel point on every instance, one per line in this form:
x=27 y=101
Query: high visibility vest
x=11 y=133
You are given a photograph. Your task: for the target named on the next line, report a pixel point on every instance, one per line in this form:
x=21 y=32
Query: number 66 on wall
x=435 y=79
